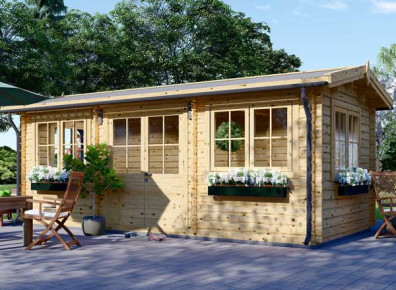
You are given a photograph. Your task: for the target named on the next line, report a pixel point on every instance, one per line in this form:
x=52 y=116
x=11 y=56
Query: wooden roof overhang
x=330 y=78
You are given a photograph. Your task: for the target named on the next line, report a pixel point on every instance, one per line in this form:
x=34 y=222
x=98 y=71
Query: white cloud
x=333 y=5
x=263 y=7
x=384 y=7
x=300 y=13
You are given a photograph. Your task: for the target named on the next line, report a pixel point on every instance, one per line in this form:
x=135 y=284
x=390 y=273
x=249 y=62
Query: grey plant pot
x=94 y=225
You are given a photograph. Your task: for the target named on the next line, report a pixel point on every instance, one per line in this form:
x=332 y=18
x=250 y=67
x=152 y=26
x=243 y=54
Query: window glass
x=171 y=165
x=237 y=124
x=279 y=122
x=163 y=151
x=73 y=139
x=47 y=152
x=262 y=123
x=172 y=130
x=340 y=140
x=353 y=136
x=156 y=130
x=127 y=148
x=229 y=140
x=262 y=153
x=134 y=128
x=119 y=132
x=270 y=137
x=222 y=125
x=156 y=159
x=279 y=152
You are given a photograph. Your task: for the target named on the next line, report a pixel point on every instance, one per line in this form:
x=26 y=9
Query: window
x=163 y=144
x=254 y=137
x=346 y=138
x=56 y=139
x=270 y=137
x=127 y=145
x=353 y=139
x=47 y=154
x=73 y=139
x=229 y=139
x=146 y=144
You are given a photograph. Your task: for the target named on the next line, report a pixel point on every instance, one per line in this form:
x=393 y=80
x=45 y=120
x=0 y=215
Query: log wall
x=180 y=204
x=347 y=215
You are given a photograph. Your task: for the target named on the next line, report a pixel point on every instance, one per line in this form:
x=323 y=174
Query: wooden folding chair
x=55 y=218
x=385 y=196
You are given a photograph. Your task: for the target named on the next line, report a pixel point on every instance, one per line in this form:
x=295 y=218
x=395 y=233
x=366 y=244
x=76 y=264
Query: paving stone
x=113 y=262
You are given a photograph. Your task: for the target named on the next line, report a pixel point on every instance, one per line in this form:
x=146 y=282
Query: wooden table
x=19 y=202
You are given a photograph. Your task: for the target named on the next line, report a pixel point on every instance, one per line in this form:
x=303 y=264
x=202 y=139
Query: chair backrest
x=384 y=188
x=72 y=191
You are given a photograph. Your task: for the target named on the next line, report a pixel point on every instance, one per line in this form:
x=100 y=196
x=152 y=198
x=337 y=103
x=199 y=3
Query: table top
x=13 y=202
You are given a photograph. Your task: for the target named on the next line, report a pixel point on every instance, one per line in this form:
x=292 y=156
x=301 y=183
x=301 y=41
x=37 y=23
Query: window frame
x=37 y=127
x=144 y=127
x=60 y=126
x=61 y=137
x=348 y=110
x=289 y=131
x=126 y=146
x=249 y=135
x=213 y=133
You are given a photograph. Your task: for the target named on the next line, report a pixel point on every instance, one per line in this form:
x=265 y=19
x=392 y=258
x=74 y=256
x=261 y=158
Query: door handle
x=146 y=176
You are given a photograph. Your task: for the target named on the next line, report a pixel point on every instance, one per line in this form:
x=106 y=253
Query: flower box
x=48 y=186
x=266 y=191
x=345 y=190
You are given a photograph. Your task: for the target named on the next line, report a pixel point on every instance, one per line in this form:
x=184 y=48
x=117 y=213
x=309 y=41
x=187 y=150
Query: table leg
x=27 y=228
x=27 y=232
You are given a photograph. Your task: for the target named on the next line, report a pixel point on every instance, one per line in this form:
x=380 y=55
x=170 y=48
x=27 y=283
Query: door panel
x=157 y=200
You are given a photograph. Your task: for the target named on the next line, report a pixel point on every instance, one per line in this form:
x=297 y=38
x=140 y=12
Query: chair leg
x=44 y=241
x=39 y=238
x=67 y=247
x=71 y=235
x=378 y=233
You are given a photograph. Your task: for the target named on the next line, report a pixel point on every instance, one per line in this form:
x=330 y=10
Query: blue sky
x=324 y=34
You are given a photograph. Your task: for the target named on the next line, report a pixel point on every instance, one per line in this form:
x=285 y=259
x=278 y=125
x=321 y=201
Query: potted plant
x=353 y=181
x=99 y=178
x=248 y=182
x=48 y=178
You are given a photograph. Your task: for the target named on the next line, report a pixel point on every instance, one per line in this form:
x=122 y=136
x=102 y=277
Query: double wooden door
x=150 y=153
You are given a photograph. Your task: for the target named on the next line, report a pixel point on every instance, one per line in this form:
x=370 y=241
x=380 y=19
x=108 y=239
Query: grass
x=378 y=215
x=7 y=186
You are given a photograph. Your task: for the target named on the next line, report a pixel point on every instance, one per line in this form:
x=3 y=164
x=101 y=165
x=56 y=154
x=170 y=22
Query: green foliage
x=386 y=65
x=47 y=8
x=99 y=176
x=387 y=148
x=7 y=186
x=4 y=125
x=7 y=165
x=222 y=133
x=140 y=43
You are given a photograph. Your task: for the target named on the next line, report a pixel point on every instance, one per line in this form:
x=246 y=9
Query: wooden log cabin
x=163 y=143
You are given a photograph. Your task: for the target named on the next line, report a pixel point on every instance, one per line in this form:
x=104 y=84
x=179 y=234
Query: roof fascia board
x=278 y=85
x=341 y=77
x=381 y=91
x=109 y=101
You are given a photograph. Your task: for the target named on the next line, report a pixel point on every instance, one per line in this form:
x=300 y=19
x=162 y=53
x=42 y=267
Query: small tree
x=7 y=165
x=99 y=176
x=387 y=148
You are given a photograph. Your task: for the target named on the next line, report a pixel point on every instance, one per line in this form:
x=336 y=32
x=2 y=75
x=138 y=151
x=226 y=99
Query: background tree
x=386 y=120
x=7 y=165
x=140 y=43
x=47 y=8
